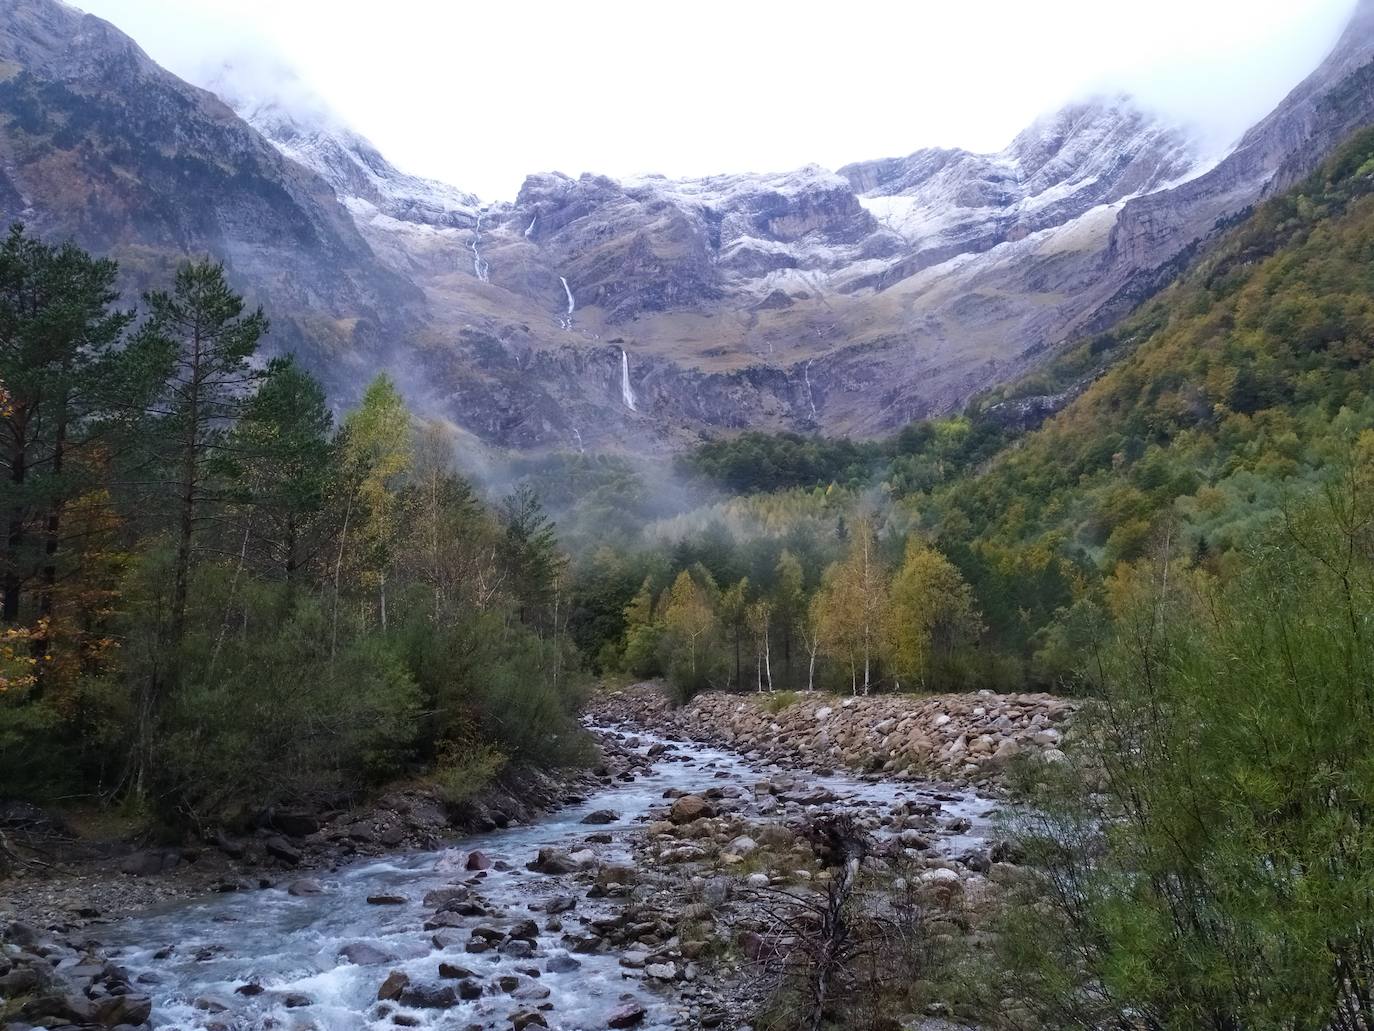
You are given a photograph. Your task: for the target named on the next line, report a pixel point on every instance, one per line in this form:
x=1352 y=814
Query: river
x=194 y=955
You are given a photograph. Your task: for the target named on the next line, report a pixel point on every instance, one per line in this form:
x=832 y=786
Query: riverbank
x=963 y=738
x=669 y=895
x=66 y=879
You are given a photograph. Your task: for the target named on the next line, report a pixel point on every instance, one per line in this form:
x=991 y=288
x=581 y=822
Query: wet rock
x=296 y=1000
x=395 y=983
x=560 y=904
x=630 y=1015
x=528 y=1018
x=469 y=989
x=364 y=954
x=210 y=1004
x=562 y=964
x=304 y=887
x=477 y=860
x=601 y=816
x=117 y=1010
x=386 y=900
x=249 y=990
x=428 y=996
x=553 y=861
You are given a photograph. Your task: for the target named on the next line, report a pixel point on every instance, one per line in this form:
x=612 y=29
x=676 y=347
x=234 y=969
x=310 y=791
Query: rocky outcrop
x=958 y=737
x=53 y=980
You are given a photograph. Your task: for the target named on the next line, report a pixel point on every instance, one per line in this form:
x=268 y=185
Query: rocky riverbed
x=968 y=738
x=649 y=901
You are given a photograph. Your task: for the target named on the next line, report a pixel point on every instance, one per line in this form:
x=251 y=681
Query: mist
x=481 y=96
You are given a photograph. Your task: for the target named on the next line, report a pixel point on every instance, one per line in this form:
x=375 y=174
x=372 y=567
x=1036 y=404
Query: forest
x=215 y=595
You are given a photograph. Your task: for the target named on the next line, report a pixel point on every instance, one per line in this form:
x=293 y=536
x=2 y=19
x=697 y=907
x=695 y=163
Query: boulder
x=630 y=1015
x=553 y=861
x=364 y=954
x=600 y=817
x=391 y=988
x=428 y=996
x=281 y=849
x=690 y=808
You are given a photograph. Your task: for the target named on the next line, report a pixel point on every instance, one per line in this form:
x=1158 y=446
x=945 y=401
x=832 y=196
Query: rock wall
x=962 y=737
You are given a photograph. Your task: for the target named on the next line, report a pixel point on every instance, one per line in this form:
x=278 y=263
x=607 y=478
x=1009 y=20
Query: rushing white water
x=291 y=947
x=627 y=393
x=567 y=320
x=479 y=263
x=530 y=228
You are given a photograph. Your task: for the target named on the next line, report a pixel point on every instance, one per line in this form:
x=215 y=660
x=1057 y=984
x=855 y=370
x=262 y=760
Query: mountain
x=99 y=143
x=592 y=312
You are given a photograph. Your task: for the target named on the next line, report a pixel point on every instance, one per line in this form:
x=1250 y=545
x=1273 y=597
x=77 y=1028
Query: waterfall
x=627 y=393
x=530 y=228
x=479 y=263
x=567 y=321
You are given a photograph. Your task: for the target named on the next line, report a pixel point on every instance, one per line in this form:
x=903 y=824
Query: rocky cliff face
x=849 y=301
x=99 y=143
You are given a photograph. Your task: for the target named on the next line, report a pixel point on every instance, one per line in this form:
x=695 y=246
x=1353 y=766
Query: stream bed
x=272 y=959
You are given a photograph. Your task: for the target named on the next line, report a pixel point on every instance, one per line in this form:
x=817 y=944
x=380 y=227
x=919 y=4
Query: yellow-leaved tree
x=930 y=614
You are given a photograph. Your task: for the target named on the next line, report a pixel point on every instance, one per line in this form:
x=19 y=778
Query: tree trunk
x=14 y=540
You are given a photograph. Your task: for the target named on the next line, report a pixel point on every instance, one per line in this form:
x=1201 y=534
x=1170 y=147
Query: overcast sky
x=479 y=94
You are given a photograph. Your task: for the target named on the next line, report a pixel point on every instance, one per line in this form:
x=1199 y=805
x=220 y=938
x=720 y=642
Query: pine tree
x=59 y=365
x=202 y=342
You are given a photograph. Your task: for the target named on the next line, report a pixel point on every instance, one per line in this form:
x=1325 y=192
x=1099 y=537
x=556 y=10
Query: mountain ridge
x=850 y=301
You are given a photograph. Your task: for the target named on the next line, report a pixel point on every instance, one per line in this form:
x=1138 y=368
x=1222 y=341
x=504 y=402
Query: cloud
x=481 y=94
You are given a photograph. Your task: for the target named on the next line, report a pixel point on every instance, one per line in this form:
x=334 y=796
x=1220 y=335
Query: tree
x=377 y=454
x=734 y=607
x=789 y=606
x=59 y=359
x=1207 y=861
x=759 y=617
x=282 y=460
x=200 y=339
x=930 y=613
x=642 y=632
x=853 y=598
x=531 y=554
x=689 y=624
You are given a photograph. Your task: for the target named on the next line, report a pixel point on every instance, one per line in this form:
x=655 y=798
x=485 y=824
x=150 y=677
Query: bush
x=1207 y=863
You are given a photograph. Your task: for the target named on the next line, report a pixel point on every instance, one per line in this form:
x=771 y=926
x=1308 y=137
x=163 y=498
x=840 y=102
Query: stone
x=304 y=887
x=124 y=1009
x=562 y=964
x=364 y=954
x=528 y=1018
x=601 y=816
x=386 y=900
x=553 y=861
x=690 y=808
x=477 y=860
x=281 y=849
x=454 y=972
x=393 y=986
x=428 y=996
x=661 y=971
x=630 y=1015
x=743 y=845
